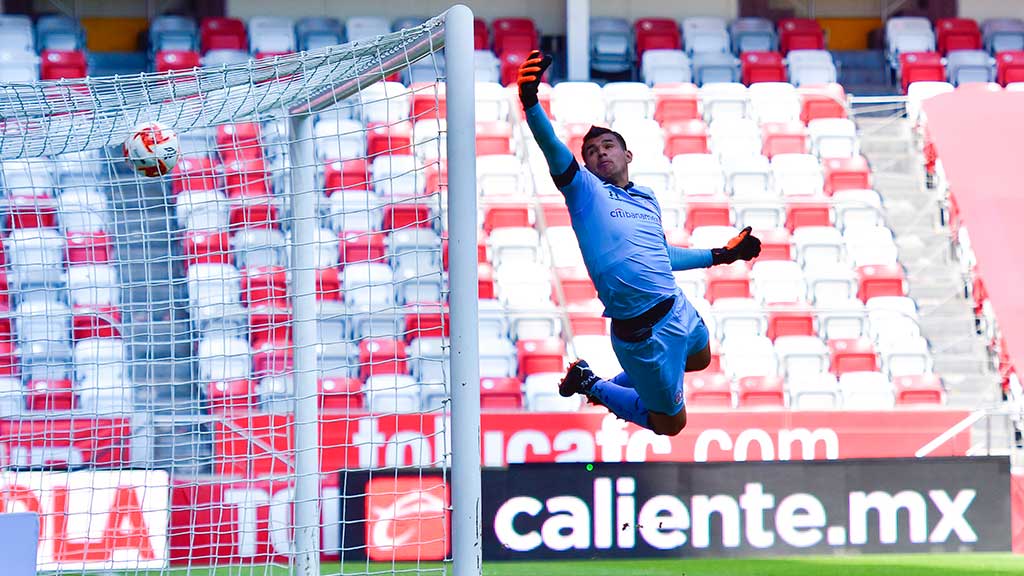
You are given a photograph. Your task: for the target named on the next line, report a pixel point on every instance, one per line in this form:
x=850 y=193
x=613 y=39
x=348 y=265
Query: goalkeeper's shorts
x=655 y=366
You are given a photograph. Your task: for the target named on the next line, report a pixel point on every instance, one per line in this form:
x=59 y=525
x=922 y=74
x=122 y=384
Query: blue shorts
x=654 y=367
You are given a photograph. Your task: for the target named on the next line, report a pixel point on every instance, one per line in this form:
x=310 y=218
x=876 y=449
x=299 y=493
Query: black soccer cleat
x=578 y=379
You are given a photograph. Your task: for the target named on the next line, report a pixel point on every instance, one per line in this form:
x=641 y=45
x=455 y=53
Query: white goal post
x=217 y=398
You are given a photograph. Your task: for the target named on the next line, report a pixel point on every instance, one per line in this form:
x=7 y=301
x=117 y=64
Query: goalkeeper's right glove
x=530 y=73
x=743 y=246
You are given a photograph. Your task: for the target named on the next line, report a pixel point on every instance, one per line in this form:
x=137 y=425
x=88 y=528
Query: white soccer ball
x=152 y=149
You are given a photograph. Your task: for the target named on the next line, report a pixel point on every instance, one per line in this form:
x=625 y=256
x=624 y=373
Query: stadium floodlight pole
x=304 y=340
x=464 y=352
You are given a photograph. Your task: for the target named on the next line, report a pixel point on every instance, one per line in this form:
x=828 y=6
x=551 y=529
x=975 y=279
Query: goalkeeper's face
x=605 y=156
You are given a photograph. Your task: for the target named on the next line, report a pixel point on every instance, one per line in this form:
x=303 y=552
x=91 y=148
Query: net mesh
x=147 y=378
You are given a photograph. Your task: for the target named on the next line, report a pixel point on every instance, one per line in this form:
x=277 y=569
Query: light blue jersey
x=623 y=243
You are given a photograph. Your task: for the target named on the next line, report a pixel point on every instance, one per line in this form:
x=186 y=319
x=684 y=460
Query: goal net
x=244 y=361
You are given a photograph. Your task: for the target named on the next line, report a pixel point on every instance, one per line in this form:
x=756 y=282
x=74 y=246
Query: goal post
x=281 y=364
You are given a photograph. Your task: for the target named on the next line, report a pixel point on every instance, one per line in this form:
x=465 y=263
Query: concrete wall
x=982 y=9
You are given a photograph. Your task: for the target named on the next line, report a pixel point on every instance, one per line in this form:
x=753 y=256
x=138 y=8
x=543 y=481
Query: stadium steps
x=947 y=319
x=154 y=304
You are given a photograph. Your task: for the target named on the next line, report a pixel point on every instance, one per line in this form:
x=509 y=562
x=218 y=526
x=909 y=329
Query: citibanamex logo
x=407 y=518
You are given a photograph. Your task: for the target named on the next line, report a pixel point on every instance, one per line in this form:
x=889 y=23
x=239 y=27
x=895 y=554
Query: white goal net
x=245 y=361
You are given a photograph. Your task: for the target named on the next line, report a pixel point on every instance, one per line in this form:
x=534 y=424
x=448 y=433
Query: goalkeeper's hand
x=530 y=73
x=743 y=246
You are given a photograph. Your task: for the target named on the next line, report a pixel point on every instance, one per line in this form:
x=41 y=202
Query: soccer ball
x=152 y=149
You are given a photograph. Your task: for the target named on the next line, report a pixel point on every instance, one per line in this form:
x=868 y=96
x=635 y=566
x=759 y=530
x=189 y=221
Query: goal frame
x=456 y=39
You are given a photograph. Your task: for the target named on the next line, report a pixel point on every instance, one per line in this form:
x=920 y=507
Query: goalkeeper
x=656 y=333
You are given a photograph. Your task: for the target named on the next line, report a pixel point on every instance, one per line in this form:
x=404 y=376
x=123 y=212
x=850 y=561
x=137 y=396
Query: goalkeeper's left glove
x=530 y=73
x=743 y=246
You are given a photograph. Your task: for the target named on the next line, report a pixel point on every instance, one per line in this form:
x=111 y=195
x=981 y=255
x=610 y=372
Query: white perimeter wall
x=549 y=14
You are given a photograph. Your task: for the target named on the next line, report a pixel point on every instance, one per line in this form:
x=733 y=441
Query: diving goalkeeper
x=656 y=333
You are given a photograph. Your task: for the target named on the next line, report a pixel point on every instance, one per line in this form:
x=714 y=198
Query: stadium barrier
x=131 y=508
x=1017 y=509
x=746 y=509
x=258 y=445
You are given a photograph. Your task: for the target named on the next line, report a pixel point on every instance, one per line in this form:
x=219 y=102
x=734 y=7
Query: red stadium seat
x=731 y=281
x=405 y=215
x=807 y=212
x=586 y=319
x=514 y=35
x=800 y=34
x=919 y=389
x=50 y=395
x=269 y=326
x=685 y=137
x=246 y=178
x=382 y=356
x=8 y=359
x=846 y=174
x=222 y=34
x=428 y=321
x=265 y=286
x=429 y=100
x=760 y=392
x=5 y=299
x=207 y=248
x=485 y=280
x=921 y=67
x=783 y=138
x=675 y=101
x=822 y=101
x=347 y=175
x=88 y=248
x=576 y=285
x=776 y=244
x=510 y=62
x=716 y=358
x=707 y=211
x=194 y=173
x=574 y=133
x=555 y=212
x=57 y=64
x=37 y=211
x=481 y=247
x=235 y=395
x=880 y=280
x=501 y=394
x=95 y=322
x=393 y=138
x=791 y=319
x=341 y=395
x=167 y=60
x=503 y=213
x=762 y=67
x=481 y=35
x=542 y=355
x=272 y=361
x=656 y=34
x=708 y=390
x=328 y=284
x=493 y=138
x=852 y=355
x=240 y=141
x=957 y=34
x=1010 y=67
x=252 y=213
x=361 y=247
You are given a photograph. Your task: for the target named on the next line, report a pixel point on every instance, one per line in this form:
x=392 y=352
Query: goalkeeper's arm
x=744 y=246
x=556 y=153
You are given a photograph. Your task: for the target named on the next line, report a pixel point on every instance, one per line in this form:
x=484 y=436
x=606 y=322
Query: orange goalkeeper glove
x=530 y=73
x=743 y=246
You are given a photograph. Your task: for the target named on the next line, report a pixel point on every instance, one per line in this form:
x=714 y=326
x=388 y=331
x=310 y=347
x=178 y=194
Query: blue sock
x=622 y=380
x=623 y=402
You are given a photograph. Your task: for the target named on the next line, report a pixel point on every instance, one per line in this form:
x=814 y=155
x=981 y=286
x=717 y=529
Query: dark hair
x=596 y=131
